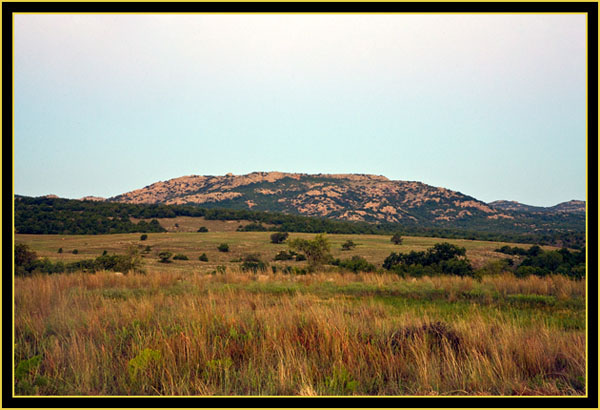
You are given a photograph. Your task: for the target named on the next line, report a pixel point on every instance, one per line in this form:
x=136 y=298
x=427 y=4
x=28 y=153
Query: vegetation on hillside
x=64 y=216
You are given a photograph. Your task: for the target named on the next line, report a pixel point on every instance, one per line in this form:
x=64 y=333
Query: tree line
x=68 y=216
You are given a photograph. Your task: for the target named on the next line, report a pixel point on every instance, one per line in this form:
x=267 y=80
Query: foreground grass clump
x=253 y=333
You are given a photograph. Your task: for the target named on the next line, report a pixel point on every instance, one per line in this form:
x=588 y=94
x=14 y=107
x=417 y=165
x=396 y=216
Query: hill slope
x=353 y=197
x=569 y=206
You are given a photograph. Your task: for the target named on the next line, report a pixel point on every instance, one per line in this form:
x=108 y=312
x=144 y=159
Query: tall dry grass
x=247 y=334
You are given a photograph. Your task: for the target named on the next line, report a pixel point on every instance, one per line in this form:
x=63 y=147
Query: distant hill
x=574 y=206
x=352 y=197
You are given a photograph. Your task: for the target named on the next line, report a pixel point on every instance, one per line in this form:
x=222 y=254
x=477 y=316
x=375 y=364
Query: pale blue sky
x=492 y=106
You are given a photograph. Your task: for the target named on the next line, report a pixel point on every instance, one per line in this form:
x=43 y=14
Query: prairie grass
x=239 y=333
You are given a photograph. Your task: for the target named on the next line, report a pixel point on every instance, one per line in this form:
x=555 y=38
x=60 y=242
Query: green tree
x=143 y=237
x=223 y=247
x=317 y=251
x=203 y=229
x=203 y=258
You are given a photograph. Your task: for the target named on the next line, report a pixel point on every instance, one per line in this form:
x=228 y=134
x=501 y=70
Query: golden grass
x=374 y=248
x=323 y=334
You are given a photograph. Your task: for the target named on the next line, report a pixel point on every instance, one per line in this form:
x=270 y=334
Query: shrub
x=75 y=251
x=285 y=256
x=180 y=257
x=131 y=261
x=356 y=264
x=254 y=263
x=442 y=258
x=524 y=271
x=164 y=256
x=203 y=258
x=143 y=237
x=396 y=239
x=300 y=257
x=203 y=229
x=223 y=247
x=279 y=237
x=346 y=246
x=24 y=255
x=252 y=227
x=316 y=251
x=60 y=250
x=496 y=267
x=458 y=267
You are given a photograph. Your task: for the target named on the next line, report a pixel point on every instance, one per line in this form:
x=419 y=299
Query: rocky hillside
x=354 y=197
x=573 y=206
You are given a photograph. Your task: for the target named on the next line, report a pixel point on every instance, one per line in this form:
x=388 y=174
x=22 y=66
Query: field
x=190 y=328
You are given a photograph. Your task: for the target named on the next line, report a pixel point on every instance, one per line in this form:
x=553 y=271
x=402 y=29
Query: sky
x=491 y=105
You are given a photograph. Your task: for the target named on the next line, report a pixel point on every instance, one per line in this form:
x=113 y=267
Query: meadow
x=208 y=328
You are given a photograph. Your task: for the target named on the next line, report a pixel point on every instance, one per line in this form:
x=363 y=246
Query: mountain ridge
x=352 y=197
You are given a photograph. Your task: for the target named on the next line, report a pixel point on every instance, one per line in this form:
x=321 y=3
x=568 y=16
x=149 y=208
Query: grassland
x=182 y=329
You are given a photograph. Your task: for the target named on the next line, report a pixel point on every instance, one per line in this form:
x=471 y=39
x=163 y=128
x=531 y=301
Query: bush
x=356 y=264
x=131 y=261
x=143 y=237
x=223 y=247
x=316 y=251
x=496 y=267
x=396 y=239
x=524 y=271
x=60 y=250
x=180 y=257
x=254 y=263
x=442 y=258
x=75 y=251
x=285 y=256
x=279 y=237
x=25 y=260
x=203 y=229
x=346 y=246
x=203 y=258
x=252 y=227
x=164 y=256
x=458 y=267
x=300 y=257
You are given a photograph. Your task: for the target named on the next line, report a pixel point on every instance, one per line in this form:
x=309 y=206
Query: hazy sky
x=492 y=106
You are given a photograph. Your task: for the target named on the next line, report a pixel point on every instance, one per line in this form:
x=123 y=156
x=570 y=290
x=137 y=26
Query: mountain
x=573 y=206
x=569 y=206
x=353 y=197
